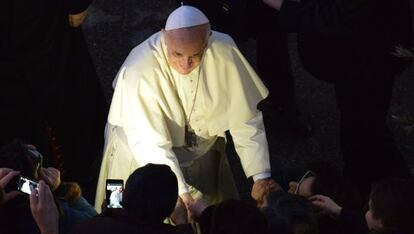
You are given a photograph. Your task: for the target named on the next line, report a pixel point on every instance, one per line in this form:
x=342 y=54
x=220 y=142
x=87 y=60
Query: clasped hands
x=187 y=209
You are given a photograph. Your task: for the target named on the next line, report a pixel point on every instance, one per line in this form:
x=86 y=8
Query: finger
x=41 y=192
x=4 y=171
x=34 y=200
x=48 y=194
x=317 y=197
x=6 y=179
x=318 y=204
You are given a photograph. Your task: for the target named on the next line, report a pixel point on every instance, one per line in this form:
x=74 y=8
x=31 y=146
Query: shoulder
x=221 y=40
x=144 y=64
x=221 y=49
x=146 y=56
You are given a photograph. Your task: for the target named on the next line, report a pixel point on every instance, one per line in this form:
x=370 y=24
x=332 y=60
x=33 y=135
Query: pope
x=175 y=96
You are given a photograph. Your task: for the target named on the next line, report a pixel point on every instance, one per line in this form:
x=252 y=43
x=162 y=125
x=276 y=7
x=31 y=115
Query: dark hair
x=15 y=215
x=232 y=216
x=286 y=213
x=151 y=193
x=15 y=155
x=392 y=202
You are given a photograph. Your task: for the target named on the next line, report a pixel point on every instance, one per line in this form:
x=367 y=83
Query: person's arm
x=251 y=145
x=336 y=17
x=351 y=222
x=143 y=123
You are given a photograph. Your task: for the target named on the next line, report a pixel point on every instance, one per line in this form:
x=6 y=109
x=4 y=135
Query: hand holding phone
x=7 y=176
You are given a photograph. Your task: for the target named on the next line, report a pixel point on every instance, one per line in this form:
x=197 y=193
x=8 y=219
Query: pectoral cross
x=190 y=137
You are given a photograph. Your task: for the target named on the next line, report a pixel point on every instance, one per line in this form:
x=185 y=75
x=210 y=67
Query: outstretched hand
x=262 y=188
x=276 y=4
x=326 y=205
x=44 y=209
x=6 y=175
x=196 y=208
x=179 y=215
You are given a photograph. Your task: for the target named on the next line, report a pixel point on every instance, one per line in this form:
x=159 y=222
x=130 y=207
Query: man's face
x=304 y=188
x=185 y=48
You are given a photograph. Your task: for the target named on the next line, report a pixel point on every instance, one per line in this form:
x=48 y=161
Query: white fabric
x=151 y=102
x=261 y=176
x=184 y=17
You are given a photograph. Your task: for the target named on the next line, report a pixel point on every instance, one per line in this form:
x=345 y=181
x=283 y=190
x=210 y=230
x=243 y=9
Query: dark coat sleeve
x=352 y=222
x=76 y=6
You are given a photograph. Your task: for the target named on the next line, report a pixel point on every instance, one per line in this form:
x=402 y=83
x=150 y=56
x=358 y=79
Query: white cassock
x=152 y=103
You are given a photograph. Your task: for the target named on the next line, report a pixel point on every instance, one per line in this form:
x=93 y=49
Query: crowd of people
x=320 y=202
x=175 y=97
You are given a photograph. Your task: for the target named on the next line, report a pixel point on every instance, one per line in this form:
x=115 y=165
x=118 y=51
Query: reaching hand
x=262 y=188
x=7 y=174
x=76 y=20
x=327 y=205
x=186 y=197
x=44 y=209
x=51 y=176
x=276 y=4
x=179 y=215
x=196 y=208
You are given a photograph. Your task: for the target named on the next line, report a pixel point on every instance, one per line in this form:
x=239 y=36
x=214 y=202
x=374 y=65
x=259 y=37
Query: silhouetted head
x=391 y=205
x=289 y=214
x=151 y=193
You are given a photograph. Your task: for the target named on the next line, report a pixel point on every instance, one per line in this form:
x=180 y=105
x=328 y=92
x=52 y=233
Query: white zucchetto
x=184 y=17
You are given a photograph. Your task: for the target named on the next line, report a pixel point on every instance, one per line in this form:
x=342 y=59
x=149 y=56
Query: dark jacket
x=47 y=76
x=119 y=221
x=348 y=35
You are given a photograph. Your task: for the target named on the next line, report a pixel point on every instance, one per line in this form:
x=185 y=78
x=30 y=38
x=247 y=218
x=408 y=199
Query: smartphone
x=114 y=189
x=26 y=185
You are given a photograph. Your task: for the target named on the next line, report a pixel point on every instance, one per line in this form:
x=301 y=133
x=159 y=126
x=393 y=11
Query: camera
x=114 y=189
x=26 y=185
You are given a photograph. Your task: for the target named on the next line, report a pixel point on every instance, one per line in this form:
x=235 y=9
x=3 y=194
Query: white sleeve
x=145 y=128
x=251 y=145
